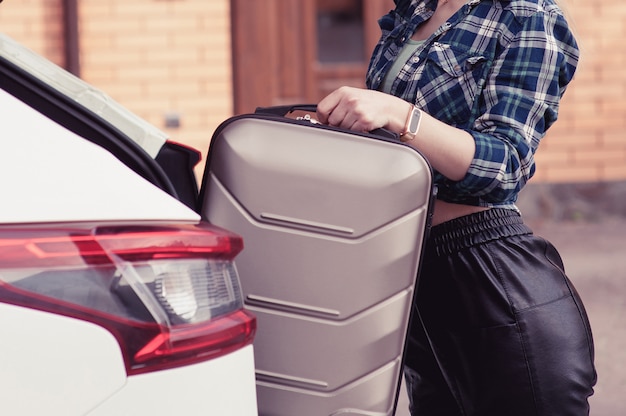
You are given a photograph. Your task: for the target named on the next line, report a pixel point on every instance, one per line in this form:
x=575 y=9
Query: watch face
x=415 y=120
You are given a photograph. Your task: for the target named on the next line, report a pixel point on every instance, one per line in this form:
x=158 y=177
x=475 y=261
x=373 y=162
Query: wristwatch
x=412 y=125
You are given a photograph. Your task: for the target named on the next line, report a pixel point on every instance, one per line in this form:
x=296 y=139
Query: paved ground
x=594 y=253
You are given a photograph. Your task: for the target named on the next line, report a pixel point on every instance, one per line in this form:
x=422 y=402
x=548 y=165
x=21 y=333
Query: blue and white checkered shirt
x=496 y=69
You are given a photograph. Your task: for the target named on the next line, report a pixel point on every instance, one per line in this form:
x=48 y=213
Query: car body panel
x=57 y=365
x=223 y=386
x=75 y=368
x=69 y=178
x=70 y=156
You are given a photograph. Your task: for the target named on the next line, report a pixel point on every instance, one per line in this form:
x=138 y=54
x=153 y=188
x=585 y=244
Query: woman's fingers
x=349 y=108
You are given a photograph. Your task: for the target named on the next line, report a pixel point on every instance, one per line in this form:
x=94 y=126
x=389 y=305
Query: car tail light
x=169 y=294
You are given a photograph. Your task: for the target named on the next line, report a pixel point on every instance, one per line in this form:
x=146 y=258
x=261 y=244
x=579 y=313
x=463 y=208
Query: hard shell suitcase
x=333 y=223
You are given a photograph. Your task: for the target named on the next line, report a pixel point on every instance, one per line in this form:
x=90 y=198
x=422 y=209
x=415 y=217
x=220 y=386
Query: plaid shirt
x=496 y=69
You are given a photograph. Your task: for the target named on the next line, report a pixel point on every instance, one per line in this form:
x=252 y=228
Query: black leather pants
x=500 y=330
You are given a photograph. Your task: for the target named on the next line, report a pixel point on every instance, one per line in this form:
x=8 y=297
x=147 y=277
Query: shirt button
x=415 y=59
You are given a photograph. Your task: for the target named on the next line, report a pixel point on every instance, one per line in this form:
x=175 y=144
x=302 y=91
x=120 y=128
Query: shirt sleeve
x=519 y=103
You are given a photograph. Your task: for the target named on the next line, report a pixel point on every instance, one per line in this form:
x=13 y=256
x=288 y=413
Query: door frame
x=274 y=49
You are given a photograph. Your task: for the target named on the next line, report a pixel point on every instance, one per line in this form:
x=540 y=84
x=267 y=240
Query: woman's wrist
x=411 y=125
x=399 y=112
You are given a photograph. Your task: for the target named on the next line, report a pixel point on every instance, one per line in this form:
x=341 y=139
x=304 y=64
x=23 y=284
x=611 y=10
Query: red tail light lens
x=169 y=294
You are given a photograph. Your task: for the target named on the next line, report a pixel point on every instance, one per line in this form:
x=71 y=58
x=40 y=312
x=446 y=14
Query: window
x=340 y=31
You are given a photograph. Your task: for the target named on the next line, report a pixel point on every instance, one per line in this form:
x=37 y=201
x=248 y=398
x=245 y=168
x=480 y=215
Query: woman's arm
x=449 y=150
x=493 y=158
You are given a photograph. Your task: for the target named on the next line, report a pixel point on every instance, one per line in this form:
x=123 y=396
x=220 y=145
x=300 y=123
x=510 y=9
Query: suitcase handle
x=283 y=110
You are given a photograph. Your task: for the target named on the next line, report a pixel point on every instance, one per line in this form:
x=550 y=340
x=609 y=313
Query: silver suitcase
x=333 y=223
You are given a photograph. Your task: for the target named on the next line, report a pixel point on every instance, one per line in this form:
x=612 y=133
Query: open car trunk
x=93 y=115
x=333 y=224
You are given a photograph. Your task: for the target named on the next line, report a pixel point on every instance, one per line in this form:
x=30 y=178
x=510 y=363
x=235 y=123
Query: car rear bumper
x=60 y=366
x=224 y=386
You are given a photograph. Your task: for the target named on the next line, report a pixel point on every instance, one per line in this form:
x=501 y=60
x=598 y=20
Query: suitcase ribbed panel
x=332 y=225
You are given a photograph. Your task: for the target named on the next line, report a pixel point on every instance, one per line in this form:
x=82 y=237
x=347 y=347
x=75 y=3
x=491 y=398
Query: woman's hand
x=449 y=150
x=363 y=110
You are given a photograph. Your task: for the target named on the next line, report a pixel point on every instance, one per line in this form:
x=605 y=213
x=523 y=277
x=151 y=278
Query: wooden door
x=297 y=51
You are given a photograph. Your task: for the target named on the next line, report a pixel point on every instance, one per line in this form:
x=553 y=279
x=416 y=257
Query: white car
x=119 y=285
x=115 y=297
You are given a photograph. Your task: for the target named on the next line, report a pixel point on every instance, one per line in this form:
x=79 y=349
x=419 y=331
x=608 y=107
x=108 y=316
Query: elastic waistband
x=467 y=231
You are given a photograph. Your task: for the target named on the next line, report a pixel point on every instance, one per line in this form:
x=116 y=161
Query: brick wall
x=35 y=23
x=163 y=59
x=171 y=58
x=588 y=141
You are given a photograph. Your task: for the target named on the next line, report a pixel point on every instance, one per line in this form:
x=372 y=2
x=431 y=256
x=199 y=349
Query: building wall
x=588 y=142
x=171 y=60
x=35 y=23
x=163 y=59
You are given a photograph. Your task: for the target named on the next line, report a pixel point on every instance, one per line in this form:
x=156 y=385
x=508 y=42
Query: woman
x=474 y=85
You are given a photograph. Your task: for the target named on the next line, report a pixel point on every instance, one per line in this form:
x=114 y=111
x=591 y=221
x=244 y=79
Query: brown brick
x=574 y=173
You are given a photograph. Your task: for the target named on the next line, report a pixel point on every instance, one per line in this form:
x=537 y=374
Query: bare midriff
x=446 y=211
